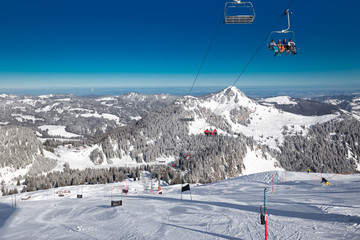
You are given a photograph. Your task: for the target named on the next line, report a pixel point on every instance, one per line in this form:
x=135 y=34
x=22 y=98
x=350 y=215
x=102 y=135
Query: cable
x=206 y=53
x=252 y=58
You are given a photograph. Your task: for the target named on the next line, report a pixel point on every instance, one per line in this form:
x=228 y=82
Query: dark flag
x=186 y=188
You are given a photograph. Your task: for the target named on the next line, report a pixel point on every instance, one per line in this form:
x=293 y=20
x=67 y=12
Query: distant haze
x=251 y=91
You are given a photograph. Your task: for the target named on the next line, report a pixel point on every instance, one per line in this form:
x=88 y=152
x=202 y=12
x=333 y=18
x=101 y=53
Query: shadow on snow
x=203 y=232
x=326 y=217
x=5 y=213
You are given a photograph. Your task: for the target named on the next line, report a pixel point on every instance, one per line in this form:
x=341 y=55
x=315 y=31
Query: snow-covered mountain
x=239 y=114
x=252 y=137
x=349 y=103
x=69 y=116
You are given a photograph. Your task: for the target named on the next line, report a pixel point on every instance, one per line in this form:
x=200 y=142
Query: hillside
x=70 y=116
x=21 y=153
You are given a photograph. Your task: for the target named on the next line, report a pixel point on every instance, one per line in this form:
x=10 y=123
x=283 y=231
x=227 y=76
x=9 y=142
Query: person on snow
x=323 y=180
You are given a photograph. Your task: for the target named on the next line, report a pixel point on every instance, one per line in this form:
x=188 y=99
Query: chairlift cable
x=206 y=53
x=252 y=57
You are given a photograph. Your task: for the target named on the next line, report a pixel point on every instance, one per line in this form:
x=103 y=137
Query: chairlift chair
x=237 y=12
x=284 y=31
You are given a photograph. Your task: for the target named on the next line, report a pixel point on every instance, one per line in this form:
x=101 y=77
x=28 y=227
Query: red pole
x=273 y=183
x=266 y=226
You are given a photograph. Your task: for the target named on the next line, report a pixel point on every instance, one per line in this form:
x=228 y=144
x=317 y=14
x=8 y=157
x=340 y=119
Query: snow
x=8 y=174
x=106 y=99
x=46 y=96
x=255 y=163
x=64 y=99
x=299 y=208
x=136 y=118
x=21 y=118
x=281 y=100
x=56 y=130
x=79 y=158
x=334 y=101
x=47 y=108
x=266 y=123
x=102 y=115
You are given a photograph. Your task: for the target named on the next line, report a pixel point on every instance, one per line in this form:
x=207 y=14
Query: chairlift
x=209 y=131
x=282 y=33
x=237 y=12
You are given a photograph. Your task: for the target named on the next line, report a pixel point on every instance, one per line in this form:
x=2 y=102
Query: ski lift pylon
x=238 y=12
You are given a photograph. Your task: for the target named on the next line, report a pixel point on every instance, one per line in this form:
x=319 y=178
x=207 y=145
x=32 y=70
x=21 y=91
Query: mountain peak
x=230 y=94
x=232 y=90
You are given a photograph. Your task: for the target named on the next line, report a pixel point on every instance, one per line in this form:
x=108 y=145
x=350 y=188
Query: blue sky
x=63 y=43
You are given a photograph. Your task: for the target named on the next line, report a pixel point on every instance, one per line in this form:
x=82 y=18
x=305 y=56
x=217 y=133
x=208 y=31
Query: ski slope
x=299 y=208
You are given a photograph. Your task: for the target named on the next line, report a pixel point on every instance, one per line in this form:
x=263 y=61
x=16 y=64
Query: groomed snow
x=299 y=208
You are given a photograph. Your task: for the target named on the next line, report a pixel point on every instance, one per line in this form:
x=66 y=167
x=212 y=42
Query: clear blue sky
x=86 y=43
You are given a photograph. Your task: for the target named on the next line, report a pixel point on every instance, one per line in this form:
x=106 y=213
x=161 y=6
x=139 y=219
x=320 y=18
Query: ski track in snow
x=299 y=208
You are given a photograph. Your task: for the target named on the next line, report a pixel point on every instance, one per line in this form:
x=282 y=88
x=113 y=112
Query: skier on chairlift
x=207 y=132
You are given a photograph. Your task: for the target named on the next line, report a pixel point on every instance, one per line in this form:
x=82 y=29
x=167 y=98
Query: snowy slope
x=299 y=208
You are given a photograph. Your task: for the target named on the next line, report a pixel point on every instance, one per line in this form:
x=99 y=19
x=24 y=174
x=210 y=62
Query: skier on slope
x=323 y=180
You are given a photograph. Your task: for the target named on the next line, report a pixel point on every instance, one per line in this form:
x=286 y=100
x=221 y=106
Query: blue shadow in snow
x=5 y=213
x=326 y=217
x=203 y=232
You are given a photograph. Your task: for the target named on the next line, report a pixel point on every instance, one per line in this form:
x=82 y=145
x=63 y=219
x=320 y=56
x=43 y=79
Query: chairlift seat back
x=237 y=12
x=239 y=19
